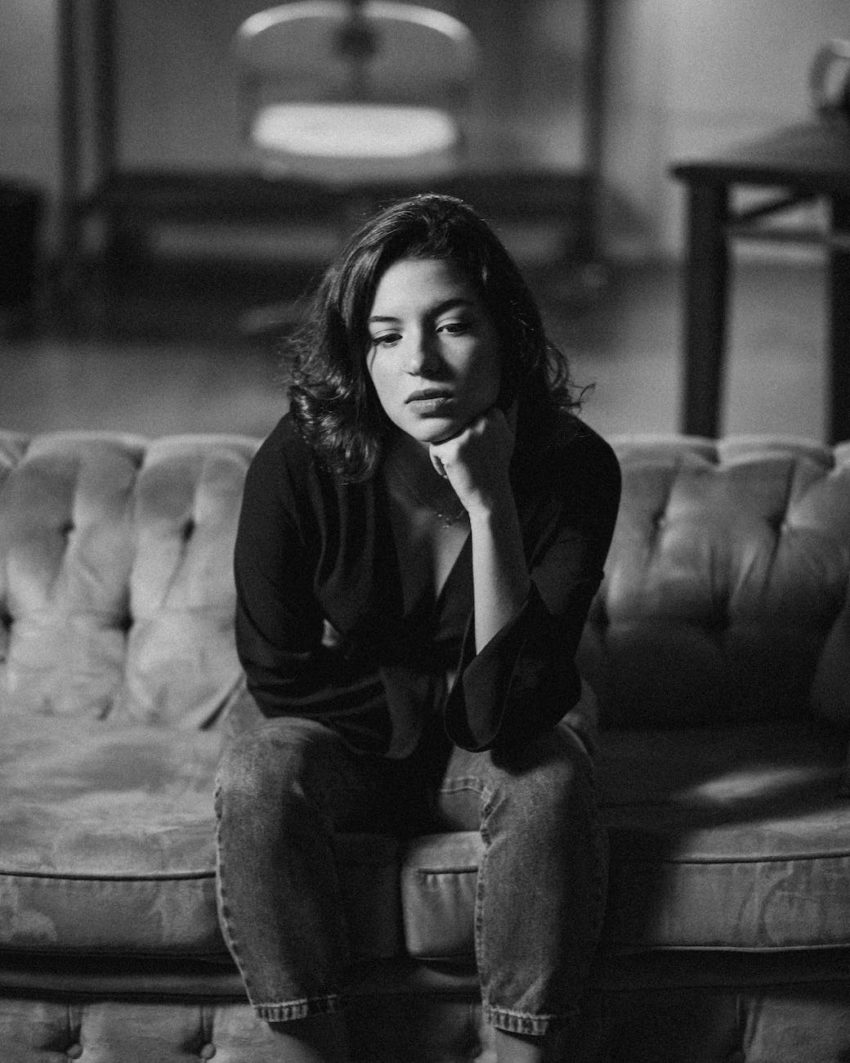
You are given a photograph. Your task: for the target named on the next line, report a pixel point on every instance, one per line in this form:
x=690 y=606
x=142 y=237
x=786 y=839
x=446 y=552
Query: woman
x=420 y=540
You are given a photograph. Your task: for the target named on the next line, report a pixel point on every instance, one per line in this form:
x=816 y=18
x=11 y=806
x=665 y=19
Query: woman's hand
x=476 y=461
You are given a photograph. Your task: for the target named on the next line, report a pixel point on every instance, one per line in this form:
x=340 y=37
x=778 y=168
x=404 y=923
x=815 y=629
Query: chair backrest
x=366 y=81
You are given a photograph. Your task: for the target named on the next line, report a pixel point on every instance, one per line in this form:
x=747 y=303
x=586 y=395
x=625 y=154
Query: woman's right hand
x=476 y=461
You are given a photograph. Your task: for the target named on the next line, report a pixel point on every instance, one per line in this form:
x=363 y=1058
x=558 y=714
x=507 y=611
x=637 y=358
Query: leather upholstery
x=719 y=645
x=117 y=595
x=726 y=589
x=108 y=846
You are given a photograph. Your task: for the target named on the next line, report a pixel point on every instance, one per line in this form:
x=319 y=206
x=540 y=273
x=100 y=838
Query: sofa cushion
x=107 y=844
x=725 y=595
x=726 y=838
x=116 y=592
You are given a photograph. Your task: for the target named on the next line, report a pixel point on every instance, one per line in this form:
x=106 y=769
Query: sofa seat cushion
x=727 y=838
x=107 y=845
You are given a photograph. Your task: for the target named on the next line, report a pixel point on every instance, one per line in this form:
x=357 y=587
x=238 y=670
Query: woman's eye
x=386 y=339
x=455 y=328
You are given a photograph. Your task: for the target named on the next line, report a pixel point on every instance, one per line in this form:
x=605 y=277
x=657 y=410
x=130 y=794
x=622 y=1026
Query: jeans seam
x=230 y=938
x=486 y=799
x=455 y=785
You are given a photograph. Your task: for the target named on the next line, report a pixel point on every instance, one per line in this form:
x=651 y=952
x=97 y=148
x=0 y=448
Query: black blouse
x=323 y=631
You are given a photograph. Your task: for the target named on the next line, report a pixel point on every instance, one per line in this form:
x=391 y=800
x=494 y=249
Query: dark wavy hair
x=332 y=399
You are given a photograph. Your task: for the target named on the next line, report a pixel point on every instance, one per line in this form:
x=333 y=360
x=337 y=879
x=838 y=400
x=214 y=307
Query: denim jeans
x=286 y=787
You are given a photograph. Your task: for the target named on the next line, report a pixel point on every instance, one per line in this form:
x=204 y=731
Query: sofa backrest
x=726 y=594
x=116 y=588
x=727 y=589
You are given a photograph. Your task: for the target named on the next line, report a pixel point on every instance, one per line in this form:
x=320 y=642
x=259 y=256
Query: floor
x=171 y=353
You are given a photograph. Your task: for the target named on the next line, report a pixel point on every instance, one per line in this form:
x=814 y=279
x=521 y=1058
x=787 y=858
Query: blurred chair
x=353 y=93
x=348 y=104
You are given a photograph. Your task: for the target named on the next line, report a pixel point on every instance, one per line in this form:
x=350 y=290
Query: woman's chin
x=433 y=430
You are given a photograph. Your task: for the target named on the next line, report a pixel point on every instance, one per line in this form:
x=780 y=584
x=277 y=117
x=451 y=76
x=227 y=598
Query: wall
x=684 y=75
x=29 y=146
x=687 y=75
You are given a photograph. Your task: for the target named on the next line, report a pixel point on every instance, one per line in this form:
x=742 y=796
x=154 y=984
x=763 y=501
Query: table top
x=244 y=194
x=810 y=157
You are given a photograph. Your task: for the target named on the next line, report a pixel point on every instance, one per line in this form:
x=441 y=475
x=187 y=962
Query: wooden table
x=794 y=164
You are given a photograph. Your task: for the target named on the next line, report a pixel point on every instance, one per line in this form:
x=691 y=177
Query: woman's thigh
x=548 y=777
x=291 y=761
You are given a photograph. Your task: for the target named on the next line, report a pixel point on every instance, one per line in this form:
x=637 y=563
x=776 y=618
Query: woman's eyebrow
x=451 y=304
x=433 y=311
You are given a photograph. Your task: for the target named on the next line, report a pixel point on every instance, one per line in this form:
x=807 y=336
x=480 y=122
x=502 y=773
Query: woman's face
x=434 y=356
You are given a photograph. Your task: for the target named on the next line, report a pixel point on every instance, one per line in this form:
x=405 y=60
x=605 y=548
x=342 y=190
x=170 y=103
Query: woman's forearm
x=499 y=570
x=477 y=462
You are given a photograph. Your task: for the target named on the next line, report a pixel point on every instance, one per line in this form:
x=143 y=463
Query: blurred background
x=570 y=99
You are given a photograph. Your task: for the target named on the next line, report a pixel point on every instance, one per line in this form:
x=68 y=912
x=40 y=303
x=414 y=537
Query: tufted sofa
x=719 y=646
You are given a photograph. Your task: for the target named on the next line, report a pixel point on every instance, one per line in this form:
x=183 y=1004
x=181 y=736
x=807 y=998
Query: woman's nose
x=422 y=355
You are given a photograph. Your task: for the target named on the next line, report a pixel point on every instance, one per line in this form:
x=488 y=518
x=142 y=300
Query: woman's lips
x=429 y=400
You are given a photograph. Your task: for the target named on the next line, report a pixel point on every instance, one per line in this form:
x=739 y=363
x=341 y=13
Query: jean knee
x=271 y=758
x=549 y=779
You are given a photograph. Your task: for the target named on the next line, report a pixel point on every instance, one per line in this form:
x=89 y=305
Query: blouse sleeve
x=291 y=667
x=525 y=679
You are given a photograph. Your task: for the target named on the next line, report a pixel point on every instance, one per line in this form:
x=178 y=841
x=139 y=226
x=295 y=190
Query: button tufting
x=74 y=1051
x=207 y=1051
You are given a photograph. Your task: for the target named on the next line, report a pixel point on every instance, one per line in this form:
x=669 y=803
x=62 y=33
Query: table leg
x=839 y=324
x=706 y=281
x=70 y=149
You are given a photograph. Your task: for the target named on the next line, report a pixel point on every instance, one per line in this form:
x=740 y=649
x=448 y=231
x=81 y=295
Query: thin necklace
x=446 y=517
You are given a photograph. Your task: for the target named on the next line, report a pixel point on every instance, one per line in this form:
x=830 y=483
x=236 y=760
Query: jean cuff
x=299 y=1009
x=523 y=1022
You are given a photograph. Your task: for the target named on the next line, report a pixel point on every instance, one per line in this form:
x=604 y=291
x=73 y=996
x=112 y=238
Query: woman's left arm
x=477 y=463
x=517 y=672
